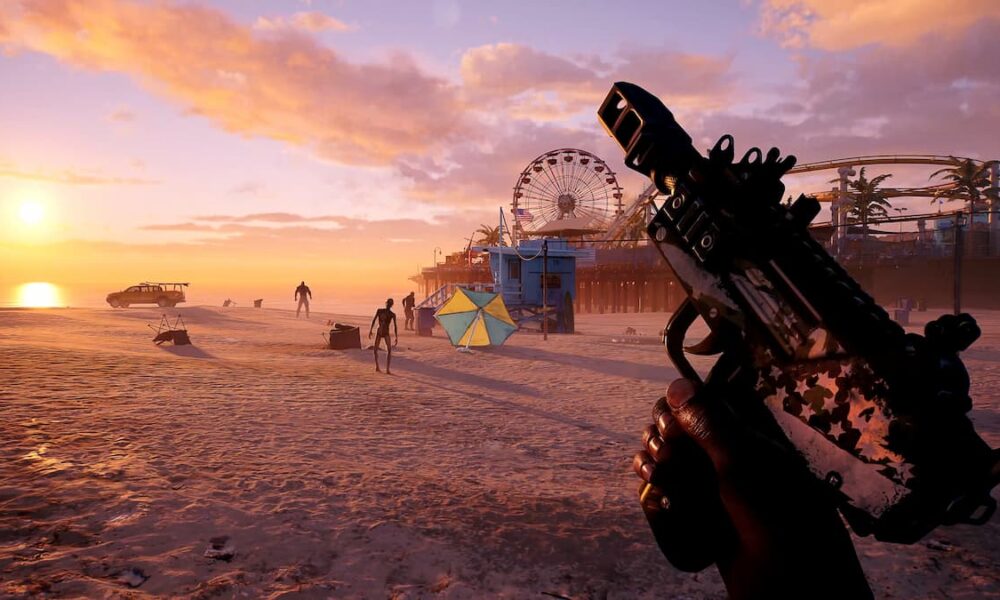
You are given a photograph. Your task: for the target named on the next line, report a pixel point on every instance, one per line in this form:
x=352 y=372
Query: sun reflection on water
x=38 y=294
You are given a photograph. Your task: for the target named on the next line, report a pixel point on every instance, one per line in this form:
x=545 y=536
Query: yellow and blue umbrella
x=475 y=318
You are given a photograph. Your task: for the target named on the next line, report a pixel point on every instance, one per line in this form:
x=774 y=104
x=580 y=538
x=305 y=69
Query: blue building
x=517 y=275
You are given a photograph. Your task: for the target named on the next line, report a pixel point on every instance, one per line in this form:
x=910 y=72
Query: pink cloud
x=283 y=85
x=884 y=100
x=509 y=69
x=279 y=85
x=180 y=227
x=545 y=87
x=542 y=97
x=122 y=114
x=481 y=175
x=313 y=22
x=249 y=235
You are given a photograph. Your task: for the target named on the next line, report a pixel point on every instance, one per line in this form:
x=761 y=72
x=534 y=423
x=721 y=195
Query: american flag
x=521 y=215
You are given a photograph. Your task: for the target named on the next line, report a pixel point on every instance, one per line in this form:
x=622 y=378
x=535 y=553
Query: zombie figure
x=303 y=294
x=408 y=303
x=384 y=317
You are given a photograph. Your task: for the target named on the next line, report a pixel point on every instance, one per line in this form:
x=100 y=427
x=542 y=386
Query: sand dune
x=501 y=473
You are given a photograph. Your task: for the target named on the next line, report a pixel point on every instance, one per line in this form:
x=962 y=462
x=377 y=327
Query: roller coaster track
x=880 y=159
x=931 y=191
x=617 y=229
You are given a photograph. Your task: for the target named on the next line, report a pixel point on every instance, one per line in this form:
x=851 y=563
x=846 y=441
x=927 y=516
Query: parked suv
x=161 y=294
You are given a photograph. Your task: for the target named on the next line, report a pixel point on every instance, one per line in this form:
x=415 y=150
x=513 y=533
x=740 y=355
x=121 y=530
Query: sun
x=32 y=212
x=38 y=294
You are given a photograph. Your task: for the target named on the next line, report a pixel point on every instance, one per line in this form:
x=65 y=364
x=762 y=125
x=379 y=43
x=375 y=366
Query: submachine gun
x=877 y=415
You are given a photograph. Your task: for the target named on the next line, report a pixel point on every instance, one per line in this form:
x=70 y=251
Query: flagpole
x=501 y=227
x=545 y=289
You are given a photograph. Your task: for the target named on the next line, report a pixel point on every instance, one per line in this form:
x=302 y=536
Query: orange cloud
x=313 y=22
x=68 y=177
x=272 y=217
x=684 y=81
x=846 y=24
x=279 y=84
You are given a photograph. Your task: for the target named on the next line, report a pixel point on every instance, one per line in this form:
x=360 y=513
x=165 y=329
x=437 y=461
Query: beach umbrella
x=475 y=318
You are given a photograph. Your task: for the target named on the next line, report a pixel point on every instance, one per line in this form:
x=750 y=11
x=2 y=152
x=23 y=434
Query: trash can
x=425 y=321
x=902 y=316
x=344 y=337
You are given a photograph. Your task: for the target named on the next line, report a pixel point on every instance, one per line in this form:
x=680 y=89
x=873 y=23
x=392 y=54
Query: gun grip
x=685 y=511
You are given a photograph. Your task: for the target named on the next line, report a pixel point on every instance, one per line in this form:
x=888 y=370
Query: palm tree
x=970 y=182
x=866 y=200
x=488 y=236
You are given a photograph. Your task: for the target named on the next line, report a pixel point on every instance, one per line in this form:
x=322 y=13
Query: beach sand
x=498 y=473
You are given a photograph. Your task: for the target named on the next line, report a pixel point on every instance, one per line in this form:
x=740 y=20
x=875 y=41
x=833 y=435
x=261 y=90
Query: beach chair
x=176 y=333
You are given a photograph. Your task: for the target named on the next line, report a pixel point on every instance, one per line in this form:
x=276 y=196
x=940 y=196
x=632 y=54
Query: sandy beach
x=499 y=473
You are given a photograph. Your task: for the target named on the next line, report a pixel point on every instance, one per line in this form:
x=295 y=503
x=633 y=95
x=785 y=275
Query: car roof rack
x=164 y=283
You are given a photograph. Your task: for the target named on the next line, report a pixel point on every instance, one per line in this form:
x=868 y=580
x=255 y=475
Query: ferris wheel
x=565 y=189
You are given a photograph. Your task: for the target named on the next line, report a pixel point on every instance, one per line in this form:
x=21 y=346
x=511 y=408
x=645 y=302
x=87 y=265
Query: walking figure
x=303 y=294
x=384 y=316
x=408 y=303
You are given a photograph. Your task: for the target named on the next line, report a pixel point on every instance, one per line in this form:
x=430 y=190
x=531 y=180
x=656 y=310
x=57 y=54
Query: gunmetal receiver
x=878 y=415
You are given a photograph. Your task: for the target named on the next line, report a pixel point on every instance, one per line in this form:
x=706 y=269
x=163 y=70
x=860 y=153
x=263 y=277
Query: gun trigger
x=712 y=344
x=677 y=328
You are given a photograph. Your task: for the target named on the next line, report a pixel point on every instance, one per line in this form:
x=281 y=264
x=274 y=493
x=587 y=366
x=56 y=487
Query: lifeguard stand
x=518 y=276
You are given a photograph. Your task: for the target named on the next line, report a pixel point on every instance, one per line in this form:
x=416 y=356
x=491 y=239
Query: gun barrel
x=635 y=119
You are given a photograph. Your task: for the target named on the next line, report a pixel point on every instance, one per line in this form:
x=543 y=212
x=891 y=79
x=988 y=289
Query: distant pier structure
x=605 y=280
x=573 y=196
x=987 y=227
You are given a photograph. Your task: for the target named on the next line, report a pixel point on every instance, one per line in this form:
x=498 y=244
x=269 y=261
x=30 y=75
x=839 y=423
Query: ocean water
x=48 y=295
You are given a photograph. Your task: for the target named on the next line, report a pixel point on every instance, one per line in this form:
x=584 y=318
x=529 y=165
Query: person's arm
x=372 y=326
x=310 y=292
x=394 y=329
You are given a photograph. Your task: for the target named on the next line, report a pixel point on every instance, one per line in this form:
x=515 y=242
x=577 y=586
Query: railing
x=437 y=298
x=441 y=295
x=511 y=293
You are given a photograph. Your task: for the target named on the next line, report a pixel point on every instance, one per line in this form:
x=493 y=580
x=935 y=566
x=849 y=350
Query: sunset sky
x=244 y=146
